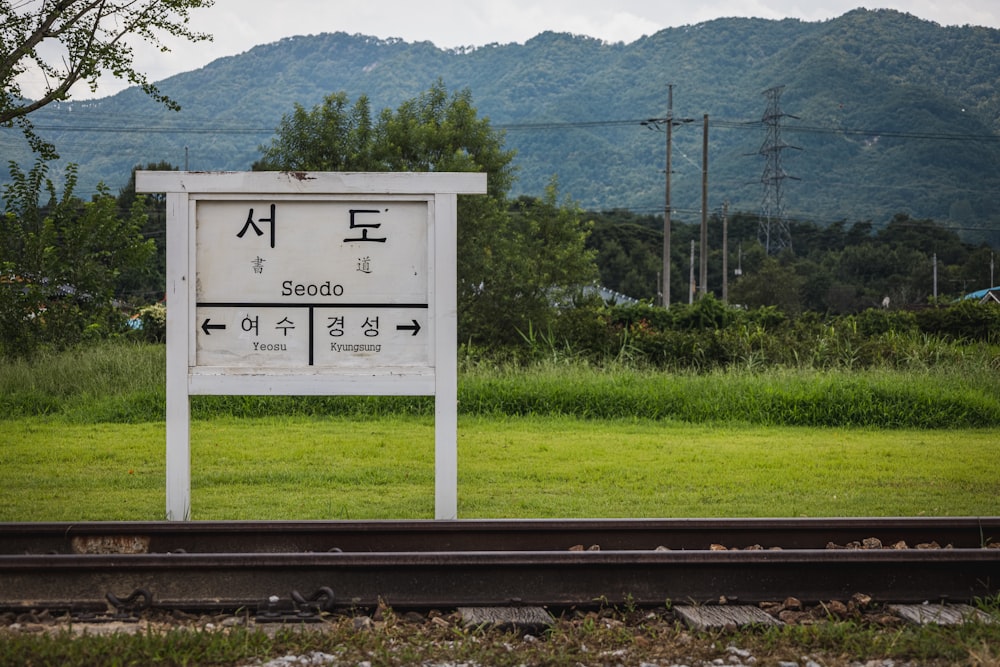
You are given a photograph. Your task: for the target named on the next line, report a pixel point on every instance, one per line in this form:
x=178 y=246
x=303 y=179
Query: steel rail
x=496 y=535
x=428 y=579
x=460 y=563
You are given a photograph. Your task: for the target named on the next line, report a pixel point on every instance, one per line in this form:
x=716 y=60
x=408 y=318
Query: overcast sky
x=239 y=25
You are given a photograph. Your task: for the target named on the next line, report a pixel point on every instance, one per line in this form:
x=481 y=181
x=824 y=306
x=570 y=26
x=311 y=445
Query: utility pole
x=934 y=262
x=703 y=274
x=668 y=122
x=694 y=287
x=725 y=252
x=666 y=201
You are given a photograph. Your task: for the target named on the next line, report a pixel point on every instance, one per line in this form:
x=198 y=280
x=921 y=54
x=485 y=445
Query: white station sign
x=317 y=283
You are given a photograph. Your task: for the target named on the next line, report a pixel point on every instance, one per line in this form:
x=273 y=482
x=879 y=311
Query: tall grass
x=884 y=398
x=124 y=383
x=111 y=381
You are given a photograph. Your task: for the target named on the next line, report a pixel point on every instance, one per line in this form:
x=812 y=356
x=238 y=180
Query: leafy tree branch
x=68 y=41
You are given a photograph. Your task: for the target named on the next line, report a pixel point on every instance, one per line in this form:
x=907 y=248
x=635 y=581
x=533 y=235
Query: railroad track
x=303 y=567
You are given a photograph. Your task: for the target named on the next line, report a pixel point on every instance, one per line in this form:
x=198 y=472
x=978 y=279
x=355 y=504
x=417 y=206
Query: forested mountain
x=886 y=113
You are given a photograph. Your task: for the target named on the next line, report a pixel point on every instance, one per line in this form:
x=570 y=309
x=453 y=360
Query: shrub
x=966 y=320
x=706 y=313
x=878 y=321
x=153 y=319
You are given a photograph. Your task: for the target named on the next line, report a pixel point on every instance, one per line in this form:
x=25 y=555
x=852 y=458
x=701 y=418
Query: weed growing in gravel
x=578 y=637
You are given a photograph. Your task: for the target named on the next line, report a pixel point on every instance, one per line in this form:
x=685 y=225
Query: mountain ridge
x=892 y=113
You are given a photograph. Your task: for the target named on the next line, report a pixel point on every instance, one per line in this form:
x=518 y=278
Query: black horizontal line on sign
x=275 y=304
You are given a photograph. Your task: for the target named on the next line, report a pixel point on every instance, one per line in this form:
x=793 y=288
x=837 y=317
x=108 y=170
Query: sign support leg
x=178 y=458
x=445 y=355
x=178 y=350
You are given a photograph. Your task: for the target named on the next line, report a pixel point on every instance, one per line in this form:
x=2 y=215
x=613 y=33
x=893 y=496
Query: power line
x=755 y=125
x=800 y=218
x=568 y=125
x=92 y=120
x=934 y=136
x=115 y=125
x=154 y=129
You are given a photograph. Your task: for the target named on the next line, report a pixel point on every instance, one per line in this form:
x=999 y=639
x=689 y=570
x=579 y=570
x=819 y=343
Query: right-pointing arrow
x=415 y=327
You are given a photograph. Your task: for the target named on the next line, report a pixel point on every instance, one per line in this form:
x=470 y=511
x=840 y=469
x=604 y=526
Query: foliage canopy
x=515 y=265
x=66 y=41
x=61 y=260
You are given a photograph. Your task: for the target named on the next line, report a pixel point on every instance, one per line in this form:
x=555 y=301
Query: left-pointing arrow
x=207 y=328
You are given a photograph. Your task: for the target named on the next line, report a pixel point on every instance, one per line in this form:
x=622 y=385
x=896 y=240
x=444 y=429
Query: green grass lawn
x=526 y=467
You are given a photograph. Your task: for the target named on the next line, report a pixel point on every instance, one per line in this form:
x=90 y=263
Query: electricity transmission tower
x=773 y=232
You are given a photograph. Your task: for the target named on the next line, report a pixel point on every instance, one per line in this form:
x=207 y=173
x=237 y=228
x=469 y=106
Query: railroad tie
x=521 y=619
x=940 y=614
x=722 y=617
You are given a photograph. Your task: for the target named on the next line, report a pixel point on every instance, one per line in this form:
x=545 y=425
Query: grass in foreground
x=529 y=467
x=600 y=637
